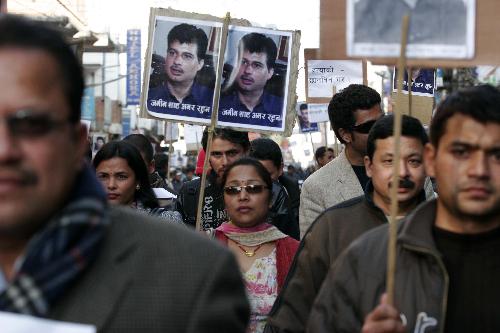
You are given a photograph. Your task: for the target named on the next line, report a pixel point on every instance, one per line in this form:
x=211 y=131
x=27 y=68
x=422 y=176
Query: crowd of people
x=89 y=242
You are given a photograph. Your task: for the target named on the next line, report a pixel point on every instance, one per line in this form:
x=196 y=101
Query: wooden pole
x=213 y=119
x=410 y=81
x=391 y=251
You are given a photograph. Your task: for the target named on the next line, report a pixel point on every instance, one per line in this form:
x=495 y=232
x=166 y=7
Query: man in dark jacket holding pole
x=447 y=274
x=338 y=226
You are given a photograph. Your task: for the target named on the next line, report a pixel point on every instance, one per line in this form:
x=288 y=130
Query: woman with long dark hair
x=121 y=169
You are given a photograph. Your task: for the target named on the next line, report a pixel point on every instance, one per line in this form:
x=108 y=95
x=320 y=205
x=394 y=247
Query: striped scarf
x=60 y=252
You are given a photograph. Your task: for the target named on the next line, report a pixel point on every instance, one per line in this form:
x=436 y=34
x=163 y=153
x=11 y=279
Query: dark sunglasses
x=31 y=124
x=364 y=128
x=250 y=189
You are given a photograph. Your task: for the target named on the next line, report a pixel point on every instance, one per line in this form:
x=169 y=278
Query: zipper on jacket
x=444 y=303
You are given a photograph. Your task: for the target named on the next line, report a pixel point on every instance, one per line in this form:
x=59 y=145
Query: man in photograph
x=180 y=94
x=304 y=122
x=247 y=101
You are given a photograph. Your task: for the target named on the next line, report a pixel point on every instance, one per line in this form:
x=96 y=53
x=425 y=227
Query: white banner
x=323 y=75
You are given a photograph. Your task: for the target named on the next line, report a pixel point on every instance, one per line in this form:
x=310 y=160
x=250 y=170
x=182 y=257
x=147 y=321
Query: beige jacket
x=332 y=184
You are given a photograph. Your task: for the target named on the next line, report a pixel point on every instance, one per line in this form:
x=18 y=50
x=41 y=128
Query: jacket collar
x=416 y=230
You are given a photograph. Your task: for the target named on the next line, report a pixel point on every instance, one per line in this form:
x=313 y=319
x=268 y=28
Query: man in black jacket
x=269 y=154
x=338 y=226
x=227 y=146
x=447 y=274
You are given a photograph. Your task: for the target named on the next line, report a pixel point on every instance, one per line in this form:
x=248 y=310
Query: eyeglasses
x=250 y=189
x=31 y=124
x=364 y=128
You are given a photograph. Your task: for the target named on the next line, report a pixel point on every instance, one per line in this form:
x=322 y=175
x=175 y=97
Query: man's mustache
x=26 y=177
x=405 y=183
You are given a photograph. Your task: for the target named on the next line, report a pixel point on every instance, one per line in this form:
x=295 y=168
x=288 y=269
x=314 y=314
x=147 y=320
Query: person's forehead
x=408 y=146
x=255 y=56
x=31 y=78
x=223 y=145
x=243 y=173
x=184 y=47
x=364 y=115
x=465 y=129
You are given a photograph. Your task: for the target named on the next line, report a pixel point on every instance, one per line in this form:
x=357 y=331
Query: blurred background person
x=264 y=253
x=121 y=170
x=323 y=155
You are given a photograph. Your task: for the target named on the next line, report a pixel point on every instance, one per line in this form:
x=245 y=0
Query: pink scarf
x=252 y=236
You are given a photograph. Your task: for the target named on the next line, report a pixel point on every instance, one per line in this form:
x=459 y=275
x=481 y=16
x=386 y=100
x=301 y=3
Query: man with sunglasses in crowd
x=352 y=112
x=65 y=254
x=339 y=225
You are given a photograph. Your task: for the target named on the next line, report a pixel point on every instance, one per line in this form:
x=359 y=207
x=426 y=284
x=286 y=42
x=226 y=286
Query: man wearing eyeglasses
x=64 y=253
x=352 y=113
x=339 y=225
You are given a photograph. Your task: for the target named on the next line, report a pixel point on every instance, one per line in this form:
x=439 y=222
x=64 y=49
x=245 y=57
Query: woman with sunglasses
x=121 y=169
x=263 y=252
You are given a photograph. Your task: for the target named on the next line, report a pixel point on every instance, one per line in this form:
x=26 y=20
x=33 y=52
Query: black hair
x=236 y=137
x=343 y=105
x=384 y=128
x=189 y=34
x=131 y=154
x=319 y=153
x=481 y=103
x=142 y=143
x=161 y=164
x=266 y=149
x=261 y=171
x=20 y=32
x=259 y=43
x=303 y=106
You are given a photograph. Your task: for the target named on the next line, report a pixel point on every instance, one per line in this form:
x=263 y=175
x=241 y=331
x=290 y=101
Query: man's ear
x=368 y=166
x=345 y=135
x=270 y=73
x=430 y=153
x=151 y=166
x=201 y=62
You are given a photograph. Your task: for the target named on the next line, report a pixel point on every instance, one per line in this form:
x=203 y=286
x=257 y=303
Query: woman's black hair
x=128 y=152
x=261 y=171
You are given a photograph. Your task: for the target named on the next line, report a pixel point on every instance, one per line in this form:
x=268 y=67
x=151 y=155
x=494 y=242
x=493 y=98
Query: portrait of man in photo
x=180 y=93
x=246 y=98
x=304 y=123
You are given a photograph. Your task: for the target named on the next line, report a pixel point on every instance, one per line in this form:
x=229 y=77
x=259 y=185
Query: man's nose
x=8 y=145
x=478 y=165
x=403 y=169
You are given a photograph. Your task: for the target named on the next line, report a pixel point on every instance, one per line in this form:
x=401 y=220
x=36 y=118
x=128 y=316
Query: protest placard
x=324 y=75
x=487 y=37
x=305 y=125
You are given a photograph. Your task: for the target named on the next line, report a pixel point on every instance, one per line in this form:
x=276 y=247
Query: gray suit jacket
x=152 y=276
x=330 y=185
